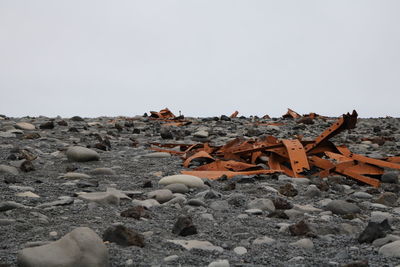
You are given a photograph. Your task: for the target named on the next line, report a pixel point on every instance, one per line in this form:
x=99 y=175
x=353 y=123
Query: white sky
x=203 y=57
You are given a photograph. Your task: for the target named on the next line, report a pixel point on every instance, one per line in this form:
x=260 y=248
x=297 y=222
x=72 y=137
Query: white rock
x=188 y=180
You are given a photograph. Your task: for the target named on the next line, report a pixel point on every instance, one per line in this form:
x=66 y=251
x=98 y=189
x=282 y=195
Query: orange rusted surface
x=234 y=114
x=297 y=156
x=294 y=157
x=162 y=114
x=291 y=114
x=200 y=154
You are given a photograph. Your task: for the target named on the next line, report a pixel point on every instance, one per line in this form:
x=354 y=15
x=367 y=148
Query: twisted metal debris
x=296 y=158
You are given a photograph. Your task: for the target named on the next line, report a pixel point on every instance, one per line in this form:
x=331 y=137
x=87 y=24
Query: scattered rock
x=25 y=126
x=188 y=180
x=81 y=154
x=374 y=231
x=177 y=188
x=288 y=190
x=123 y=236
x=184 y=226
x=391 y=249
x=342 y=207
x=135 y=212
x=304 y=243
x=262 y=204
x=81 y=247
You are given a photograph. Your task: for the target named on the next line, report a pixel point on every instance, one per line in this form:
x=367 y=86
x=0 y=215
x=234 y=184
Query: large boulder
x=81 y=154
x=79 y=248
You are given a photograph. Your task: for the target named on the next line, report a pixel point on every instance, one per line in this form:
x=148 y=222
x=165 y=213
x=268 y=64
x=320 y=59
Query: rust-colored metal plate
x=297 y=156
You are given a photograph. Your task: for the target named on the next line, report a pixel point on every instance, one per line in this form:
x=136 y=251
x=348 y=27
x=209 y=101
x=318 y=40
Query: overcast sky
x=205 y=58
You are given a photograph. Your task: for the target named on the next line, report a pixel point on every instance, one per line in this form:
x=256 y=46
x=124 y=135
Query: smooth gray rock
x=25 y=126
x=80 y=248
x=81 y=154
x=157 y=155
x=177 y=188
x=262 y=204
x=8 y=169
x=342 y=207
x=161 y=195
x=188 y=180
x=304 y=243
x=391 y=249
x=219 y=263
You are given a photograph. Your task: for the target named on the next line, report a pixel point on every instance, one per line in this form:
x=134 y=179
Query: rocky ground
x=109 y=203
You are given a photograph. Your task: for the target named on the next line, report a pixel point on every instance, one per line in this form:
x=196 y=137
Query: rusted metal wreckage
x=168 y=118
x=296 y=158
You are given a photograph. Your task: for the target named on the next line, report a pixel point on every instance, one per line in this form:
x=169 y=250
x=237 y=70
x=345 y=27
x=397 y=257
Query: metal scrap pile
x=296 y=158
x=166 y=116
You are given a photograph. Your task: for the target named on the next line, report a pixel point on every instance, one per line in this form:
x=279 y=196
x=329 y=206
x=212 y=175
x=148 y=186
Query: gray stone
x=262 y=204
x=25 y=126
x=10 y=205
x=8 y=169
x=188 y=180
x=380 y=216
x=220 y=205
x=171 y=258
x=342 y=207
x=304 y=243
x=264 y=240
x=362 y=195
x=391 y=249
x=178 y=188
x=81 y=154
x=240 y=250
x=219 y=263
x=161 y=195
x=79 y=248
x=312 y=191
x=148 y=203
x=385 y=240
x=390 y=177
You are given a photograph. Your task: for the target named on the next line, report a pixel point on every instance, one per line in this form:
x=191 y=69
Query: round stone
x=81 y=154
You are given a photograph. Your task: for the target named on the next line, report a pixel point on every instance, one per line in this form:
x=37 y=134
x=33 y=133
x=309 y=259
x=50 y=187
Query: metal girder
x=297 y=156
x=346 y=122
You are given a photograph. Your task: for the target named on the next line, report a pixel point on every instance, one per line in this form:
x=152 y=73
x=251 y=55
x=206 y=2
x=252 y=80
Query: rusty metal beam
x=297 y=156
